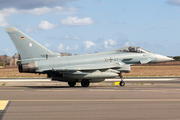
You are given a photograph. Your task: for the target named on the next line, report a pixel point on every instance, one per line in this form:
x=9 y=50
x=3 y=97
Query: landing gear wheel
x=85 y=83
x=122 y=83
x=71 y=84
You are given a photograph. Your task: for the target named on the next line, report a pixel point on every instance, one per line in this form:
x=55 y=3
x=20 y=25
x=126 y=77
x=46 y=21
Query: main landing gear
x=71 y=84
x=85 y=83
x=122 y=83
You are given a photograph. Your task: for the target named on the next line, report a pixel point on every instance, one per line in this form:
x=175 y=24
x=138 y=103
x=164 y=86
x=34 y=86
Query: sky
x=88 y=26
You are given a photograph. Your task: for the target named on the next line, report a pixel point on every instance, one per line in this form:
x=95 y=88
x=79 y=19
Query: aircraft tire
x=71 y=84
x=49 y=75
x=122 y=83
x=85 y=83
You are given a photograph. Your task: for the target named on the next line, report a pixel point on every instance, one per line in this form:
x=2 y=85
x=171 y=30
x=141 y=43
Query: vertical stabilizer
x=26 y=46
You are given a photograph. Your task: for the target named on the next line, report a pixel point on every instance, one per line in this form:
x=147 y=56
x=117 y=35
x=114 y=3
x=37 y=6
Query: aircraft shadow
x=50 y=87
x=40 y=87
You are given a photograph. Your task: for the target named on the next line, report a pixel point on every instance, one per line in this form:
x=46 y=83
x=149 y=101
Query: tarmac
x=139 y=99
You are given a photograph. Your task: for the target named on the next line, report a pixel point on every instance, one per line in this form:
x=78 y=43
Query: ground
x=157 y=71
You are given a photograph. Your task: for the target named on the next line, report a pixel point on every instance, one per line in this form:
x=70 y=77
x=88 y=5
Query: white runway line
x=148 y=79
x=25 y=80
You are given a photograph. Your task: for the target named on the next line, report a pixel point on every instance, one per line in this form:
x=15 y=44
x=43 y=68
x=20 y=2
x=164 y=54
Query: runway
x=159 y=101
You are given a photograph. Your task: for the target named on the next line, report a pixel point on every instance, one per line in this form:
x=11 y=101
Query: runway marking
x=25 y=80
x=110 y=90
x=137 y=90
x=3 y=104
x=56 y=90
x=13 y=87
x=11 y=90
x=47 y=80
x=101 y=100
x=3 y=107
x=148 y=79
x=163 y=90
x=142 y=86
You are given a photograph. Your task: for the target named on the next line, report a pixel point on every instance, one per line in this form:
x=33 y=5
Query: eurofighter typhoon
x=86 y=69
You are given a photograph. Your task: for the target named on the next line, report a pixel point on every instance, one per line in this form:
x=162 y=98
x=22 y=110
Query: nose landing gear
x=122 y=83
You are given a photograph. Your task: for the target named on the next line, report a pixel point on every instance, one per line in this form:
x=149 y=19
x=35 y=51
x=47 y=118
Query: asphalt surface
x=158 y=101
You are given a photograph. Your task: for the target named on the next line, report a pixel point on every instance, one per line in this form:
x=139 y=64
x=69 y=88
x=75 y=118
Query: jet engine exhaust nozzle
x=27 y=67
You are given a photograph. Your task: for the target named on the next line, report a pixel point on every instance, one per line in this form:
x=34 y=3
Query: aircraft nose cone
x=161 y=58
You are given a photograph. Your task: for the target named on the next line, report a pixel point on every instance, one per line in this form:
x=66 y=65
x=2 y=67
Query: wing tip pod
x=11 y=29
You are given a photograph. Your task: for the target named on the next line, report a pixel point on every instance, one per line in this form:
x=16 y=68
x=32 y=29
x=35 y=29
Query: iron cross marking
x=110 y=59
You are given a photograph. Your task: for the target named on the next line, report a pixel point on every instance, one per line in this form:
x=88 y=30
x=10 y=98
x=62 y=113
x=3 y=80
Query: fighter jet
x=86 y=69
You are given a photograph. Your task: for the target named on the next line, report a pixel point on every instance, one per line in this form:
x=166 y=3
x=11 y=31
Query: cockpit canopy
x=134 y=49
